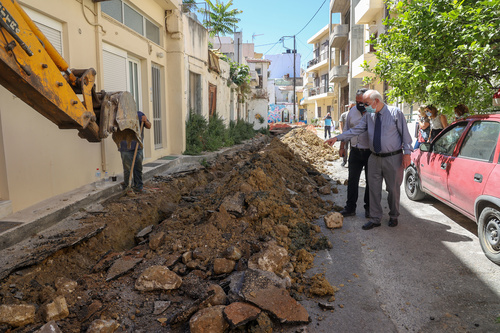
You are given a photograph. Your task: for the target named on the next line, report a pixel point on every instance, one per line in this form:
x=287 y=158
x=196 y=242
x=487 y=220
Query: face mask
x=369 y=109
x=428 y=114
x=360 y=106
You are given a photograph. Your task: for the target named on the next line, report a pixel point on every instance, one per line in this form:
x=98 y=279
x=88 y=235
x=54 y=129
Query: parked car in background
x=460 y=167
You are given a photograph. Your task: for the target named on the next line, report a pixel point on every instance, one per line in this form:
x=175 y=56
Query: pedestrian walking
x=358 y=157
x=391 y=145
x=328 y=125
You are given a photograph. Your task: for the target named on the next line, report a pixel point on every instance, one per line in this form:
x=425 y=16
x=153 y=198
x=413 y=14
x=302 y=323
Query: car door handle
x=478 y=178
x=443 y=166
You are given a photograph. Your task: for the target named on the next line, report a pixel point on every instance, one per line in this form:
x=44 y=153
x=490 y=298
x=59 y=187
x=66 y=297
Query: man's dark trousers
x=358 y=158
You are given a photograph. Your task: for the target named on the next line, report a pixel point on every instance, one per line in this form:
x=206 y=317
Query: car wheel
x=489 y=233
x=412 y=186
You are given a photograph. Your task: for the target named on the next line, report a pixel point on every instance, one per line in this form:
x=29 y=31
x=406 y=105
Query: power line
x=311 y=18
x=265 y=44
x=272 y=47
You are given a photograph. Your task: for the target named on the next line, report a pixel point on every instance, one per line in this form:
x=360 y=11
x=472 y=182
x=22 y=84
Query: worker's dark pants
x=358 y=159
x=127 y=158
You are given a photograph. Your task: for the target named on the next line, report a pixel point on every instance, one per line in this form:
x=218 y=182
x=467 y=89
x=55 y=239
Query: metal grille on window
x=156 y=95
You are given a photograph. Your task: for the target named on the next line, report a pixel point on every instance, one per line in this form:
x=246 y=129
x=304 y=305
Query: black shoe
x=343 y=163
x=393 y=222
x=367 y=214
x=370 y=225
x=346 y=212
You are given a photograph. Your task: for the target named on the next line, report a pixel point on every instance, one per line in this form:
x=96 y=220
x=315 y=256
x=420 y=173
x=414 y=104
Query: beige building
x=319 y=92
x=147 y=47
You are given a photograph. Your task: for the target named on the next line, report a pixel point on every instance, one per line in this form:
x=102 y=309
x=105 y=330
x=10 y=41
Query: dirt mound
x=242 y=204
x=310 y=147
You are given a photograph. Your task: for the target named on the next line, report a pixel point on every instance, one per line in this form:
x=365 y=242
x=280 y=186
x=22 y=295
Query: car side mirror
x=425 y=146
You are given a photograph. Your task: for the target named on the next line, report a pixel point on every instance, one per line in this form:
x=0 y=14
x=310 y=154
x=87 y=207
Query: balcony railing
x=367 y=11
x=339 y=73
x=339 y=6
x=339 y=35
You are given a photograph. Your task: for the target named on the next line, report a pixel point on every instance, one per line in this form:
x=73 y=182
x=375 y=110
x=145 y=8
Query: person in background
x=423 y=128
x=358 y=157
x=461 y=112
x=127 y=155
x=328 y=125
x=437 y=120
x=391 y=146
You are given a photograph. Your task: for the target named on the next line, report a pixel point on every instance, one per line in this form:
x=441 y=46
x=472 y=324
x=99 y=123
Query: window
x=195 y=93
x=481 y=140
x=156 y=99
x=52 y=29
x=446 y=144
x=130 y=17
x=212 y=99
x=134 y=81
x=319 y=111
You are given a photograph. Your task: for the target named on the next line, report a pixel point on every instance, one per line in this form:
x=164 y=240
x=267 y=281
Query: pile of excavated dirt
x=311 y=148
x=231 y=240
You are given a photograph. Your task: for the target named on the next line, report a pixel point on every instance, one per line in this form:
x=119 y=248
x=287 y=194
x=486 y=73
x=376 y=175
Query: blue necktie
x=377 y=142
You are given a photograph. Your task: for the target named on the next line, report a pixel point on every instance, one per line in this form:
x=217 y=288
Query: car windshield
x=481 y=141
x=446 y=143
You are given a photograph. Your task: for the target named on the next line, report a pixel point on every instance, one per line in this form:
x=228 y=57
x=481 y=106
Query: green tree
x=221 y=19
x=442 y=52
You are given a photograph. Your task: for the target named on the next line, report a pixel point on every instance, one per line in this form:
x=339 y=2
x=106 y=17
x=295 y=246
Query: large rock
x=272 y=258
x=158 y=277
x=279 y=303
x=239 y=313
x=103 y=326
x=234 y=203
x=334 y=220
x=17 y=314
x=223 y=266
x=56 y=310
x=209 y=320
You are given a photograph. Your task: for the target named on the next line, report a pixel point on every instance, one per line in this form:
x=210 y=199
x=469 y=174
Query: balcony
x=357 y=71
x=368 y=11
x=339 y=73
x=319 y=92
x=339 y=35
x=318 y=62
x=339 y=6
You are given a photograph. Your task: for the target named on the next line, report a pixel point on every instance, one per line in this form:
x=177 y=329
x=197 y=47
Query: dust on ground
x=245 y=199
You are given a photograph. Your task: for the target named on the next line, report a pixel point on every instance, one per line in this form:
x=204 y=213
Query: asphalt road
x=428 y=274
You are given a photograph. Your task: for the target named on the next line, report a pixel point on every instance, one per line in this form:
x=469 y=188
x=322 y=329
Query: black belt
x=396 y=152
x=360 y=149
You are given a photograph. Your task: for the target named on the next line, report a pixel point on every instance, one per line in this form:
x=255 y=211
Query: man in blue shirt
x=127 y=154
x=391 y=145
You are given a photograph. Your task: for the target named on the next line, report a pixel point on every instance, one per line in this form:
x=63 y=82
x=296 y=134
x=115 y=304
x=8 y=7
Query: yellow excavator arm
x=33 y=70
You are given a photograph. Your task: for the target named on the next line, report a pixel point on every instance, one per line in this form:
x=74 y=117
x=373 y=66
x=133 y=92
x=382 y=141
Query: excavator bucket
x=118 y=116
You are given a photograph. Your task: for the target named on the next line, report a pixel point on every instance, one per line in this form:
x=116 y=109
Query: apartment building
x=320 y=96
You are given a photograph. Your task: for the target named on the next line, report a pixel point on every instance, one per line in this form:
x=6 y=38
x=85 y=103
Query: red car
x=461 y=168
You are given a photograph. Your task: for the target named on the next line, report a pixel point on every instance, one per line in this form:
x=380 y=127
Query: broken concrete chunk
x=103 y=326
x=325 y=190
x=279 y=303
x=272 y=258
x=208 y=320
x=223 y=266
x=334 y=220
x=160 y=307
x=50 y=327
x=17 y=314
x=56 y=310
x=232 y=253
x=122 y=266
x=141 y=235
x=158 y=277
x=156 y=240
x=239 y=313
x=234 y=203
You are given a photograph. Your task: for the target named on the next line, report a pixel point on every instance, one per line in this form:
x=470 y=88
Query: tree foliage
x=221 y=19
x=441 y=52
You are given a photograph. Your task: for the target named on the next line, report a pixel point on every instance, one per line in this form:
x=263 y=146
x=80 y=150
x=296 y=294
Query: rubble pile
x=311 y=148
x=224 y=248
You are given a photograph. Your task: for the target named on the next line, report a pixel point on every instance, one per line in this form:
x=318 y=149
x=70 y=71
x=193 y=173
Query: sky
x=264 y=22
